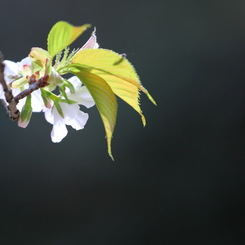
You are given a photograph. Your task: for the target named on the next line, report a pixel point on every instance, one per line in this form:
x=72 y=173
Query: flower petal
x=92 y=42
x=37 y=103
x=73 y=116
x=82 y=95
x=76 y=82
x=23 y=62
x=49 y=116
x=21 y=104
x=10 y=69
x=2 y=97
x=59 y=130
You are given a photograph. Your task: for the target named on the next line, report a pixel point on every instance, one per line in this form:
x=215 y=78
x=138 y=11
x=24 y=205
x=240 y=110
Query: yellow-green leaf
x=117 y=71
x=105 y=101
x=62 y=35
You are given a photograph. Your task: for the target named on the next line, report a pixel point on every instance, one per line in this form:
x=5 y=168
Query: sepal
x=26 y=113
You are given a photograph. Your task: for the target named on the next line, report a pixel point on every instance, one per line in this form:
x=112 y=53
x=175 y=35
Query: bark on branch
x=34 y=85
x=11 y=108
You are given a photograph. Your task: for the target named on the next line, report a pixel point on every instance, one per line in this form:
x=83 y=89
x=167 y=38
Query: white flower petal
x=49 y=116
x=79 y=121
x=73 y=116
x=82 y=97
x=76 y=82
x=21 y=104
x=10 y=69
x=37 y=103
x=59 y=130
x=2 y=97
x=25 y=61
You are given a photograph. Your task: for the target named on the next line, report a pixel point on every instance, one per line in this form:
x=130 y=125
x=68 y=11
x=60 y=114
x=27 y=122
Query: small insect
x=123 y=56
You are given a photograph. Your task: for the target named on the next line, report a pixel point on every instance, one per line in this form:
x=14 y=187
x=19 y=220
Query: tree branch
x=34 y=85
x=11 y=108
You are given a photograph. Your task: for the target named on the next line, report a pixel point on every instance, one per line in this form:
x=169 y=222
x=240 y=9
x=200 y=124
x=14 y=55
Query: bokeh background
x=179 y=180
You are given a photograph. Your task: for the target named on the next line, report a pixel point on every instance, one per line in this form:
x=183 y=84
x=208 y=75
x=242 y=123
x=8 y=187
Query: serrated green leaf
x=63 y=34
x=105 y=101
x=117 y=71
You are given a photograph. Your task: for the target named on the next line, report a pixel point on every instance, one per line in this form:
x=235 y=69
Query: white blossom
x=73 y=116
x=20 y=69
x=66 y=112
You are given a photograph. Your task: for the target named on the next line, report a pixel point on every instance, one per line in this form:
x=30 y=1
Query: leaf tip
x=143 y=120
x=112 y=158
x=109 y=150
x=151 y=99
x=148 y=95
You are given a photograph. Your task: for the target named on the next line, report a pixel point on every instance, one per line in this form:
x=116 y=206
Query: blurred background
x=179 y=180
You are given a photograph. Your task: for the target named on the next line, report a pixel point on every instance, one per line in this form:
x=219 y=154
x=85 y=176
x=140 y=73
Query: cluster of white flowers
x=65 y=113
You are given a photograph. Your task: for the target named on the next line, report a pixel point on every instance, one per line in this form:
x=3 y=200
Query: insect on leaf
x=117 y=71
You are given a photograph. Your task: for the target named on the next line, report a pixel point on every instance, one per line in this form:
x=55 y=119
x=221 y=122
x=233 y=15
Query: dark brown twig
x=12 y=110
x=34 y=85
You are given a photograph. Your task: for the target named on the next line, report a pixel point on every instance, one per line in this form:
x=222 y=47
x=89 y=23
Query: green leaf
x=117 y=71
x=63 y=34
x=105 y=101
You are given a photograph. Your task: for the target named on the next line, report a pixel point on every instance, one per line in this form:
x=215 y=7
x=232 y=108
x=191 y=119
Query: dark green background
x=179 y=180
